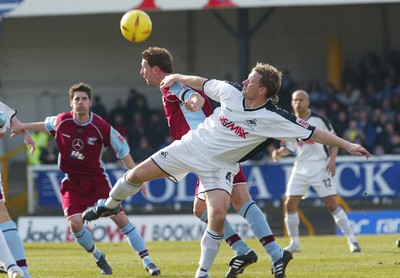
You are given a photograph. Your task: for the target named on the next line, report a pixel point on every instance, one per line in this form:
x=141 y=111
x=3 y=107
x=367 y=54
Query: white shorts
x=309 y=174
x=181 y=157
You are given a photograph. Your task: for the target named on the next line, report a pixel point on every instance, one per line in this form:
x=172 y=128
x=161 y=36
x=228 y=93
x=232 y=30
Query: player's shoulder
x=223 y=84
x=99 y=121
x=236 y=85
x=65 y=116
x=314 y=116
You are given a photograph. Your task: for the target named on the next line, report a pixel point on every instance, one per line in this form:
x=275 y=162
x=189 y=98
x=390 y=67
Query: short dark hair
x=160 y=57
x=80 y=87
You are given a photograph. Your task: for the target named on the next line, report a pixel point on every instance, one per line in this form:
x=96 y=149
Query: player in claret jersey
x=81 y=137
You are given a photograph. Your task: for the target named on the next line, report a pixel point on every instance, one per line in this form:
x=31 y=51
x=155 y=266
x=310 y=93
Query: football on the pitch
x=136 y=26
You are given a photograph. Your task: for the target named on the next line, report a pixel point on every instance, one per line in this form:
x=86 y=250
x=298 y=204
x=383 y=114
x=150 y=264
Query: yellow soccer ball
x=136 y=26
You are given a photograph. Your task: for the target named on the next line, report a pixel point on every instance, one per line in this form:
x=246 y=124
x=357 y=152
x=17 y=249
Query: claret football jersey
x=81 y=145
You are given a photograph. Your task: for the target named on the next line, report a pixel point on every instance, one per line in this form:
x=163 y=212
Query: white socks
x=210 y=243
x=341 y=219
x=121 y=190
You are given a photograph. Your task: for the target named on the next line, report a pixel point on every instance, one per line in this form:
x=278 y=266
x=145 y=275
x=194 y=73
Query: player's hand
x=16 y=128
x=275 y=156
x=29 y=142
x=331 y=167
x=195 y=103
x=355 y=149
x=169 y=80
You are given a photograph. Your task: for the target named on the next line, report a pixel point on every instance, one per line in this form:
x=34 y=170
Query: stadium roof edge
x=32 y=8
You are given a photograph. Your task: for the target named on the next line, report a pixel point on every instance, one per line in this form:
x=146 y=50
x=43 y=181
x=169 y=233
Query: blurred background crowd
x=365 y=111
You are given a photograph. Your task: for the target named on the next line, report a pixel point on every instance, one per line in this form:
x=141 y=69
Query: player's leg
x=73 y=205
x=247 y=208
x=292 y=222
x=323 y=184
x=127 y=185
x=85 y=239
x=217 y=207
x=7 y=260
x=341 y=219
x=136 y=241
x=13 y=239
x=297 y=187
x=244 y=256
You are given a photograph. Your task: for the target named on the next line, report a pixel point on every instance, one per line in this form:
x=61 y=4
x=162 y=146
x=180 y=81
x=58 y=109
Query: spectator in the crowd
x=341 y=123
x=330 y=92
x=392 y=144
x=136 y=130
x=386 y=106
x=365 y=125
x=317 y=98
x=349 y=95
x=382 y=135
x=49 y=153
x=118 y=109
x=142 y=151
x=350 y=74
x=285 y=92
x=134 y=102
x=41 y=139
x=119 y=124
x=354 y=134
x=99 y=108
x=157 y=129
x=370 y=69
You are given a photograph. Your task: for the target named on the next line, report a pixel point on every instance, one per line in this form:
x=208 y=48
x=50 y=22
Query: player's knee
x=290 y=205
x=198 y=211
x=75 y=225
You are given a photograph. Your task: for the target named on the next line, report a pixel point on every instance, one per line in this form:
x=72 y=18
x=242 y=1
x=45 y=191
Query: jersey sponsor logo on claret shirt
x=302 y=122
x=77 y=144
x=235 y=128
x=91 y=141
x=77 y=155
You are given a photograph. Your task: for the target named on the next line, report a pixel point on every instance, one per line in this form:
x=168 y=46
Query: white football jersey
x=234 y=133
x=310 y=150
x=7 y=111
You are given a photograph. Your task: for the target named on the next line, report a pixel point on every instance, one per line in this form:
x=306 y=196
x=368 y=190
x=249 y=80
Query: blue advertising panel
x=355 y=178
x=374 y=222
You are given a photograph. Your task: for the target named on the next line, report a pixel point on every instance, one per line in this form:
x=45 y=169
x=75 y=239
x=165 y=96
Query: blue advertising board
x=355 y=178
x=374 y=222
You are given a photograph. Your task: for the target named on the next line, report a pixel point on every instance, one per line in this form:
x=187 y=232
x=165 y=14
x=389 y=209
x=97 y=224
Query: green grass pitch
x=321 y=256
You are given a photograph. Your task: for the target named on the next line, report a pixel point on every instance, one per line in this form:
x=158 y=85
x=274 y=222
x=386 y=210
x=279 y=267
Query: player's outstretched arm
x=18 y=127
x=327 y=138
x=195 y=82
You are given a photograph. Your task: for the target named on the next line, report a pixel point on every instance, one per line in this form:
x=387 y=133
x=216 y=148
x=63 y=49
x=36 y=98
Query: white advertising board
x=151 y=227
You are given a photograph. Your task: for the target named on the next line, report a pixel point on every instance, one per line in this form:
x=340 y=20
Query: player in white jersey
x=315 y=166
x=10 y=240
x=234 y=132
